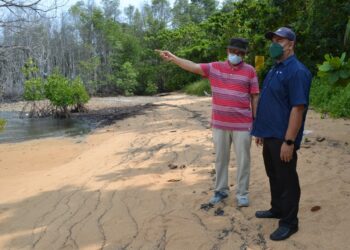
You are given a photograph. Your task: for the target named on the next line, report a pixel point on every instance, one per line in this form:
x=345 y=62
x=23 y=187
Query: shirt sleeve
x=254 y=84
x=299 y=88
x=206 y=69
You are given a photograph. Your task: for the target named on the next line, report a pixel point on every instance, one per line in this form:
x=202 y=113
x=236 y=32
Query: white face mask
x=234 y=59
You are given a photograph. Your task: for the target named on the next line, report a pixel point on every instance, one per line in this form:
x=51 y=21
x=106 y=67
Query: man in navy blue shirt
x=279 y=126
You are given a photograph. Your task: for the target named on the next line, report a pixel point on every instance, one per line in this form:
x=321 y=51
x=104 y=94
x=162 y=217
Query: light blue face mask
x=234 y=59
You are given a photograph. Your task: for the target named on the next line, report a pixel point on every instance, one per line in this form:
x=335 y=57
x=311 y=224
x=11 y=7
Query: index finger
x=158 y=50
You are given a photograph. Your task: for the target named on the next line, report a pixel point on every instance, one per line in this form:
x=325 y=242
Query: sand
x=114 y=188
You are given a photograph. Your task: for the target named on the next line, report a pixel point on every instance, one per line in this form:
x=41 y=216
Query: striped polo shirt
x=231 y=88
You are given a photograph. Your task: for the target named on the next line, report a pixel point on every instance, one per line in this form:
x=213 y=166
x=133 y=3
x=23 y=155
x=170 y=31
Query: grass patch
x=198 y=88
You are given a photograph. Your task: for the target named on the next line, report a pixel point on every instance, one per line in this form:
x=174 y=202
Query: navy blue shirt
x=286 y=85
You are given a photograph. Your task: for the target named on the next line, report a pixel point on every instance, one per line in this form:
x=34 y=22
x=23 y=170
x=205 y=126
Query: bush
x=320 y=94
x=2 y=124
x=79 y=93
x=34 y=89
x=199 y=88
x=58 y=91
x=334 y=100
x=330 y=91
x=339 y=104
x=335 y=70
x=151 y=88
x=63 y=93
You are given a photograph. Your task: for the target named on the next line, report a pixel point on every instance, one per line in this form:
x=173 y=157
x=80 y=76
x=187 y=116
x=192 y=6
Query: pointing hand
x=166 y=55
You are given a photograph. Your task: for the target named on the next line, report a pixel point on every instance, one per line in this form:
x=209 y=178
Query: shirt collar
x=287 y=61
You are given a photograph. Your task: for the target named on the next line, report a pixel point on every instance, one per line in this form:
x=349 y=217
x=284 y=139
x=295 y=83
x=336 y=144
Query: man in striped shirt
x=235 y=91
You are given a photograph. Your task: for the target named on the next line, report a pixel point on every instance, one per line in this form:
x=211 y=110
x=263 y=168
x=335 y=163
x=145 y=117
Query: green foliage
x=263 y=71
x=335 y=70
x=181 y=13
x=340 y=102
x=199 y=88
x=127 y=79
x=320 y=29
x=119 y=57
x=131 y=52
x=151 y=88
x=30 y=69
x=58 y=91
x=101 y=37
x=63 y=93
x=190 y=42
x=347 y=33
x=334 y=100
x=320 y=94
x=79 y=93
x=88 y=69
x=200 y=10
x=34 y=89
x=33 y=85
x=251 y=19
x=2 y=124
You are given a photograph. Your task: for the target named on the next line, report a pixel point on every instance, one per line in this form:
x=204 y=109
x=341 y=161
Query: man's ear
x=292 y=44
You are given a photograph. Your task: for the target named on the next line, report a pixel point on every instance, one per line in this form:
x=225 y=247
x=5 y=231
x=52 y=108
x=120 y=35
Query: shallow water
x=18 y=129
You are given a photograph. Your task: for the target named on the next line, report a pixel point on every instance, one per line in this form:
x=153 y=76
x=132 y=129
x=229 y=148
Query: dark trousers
x=284 y=183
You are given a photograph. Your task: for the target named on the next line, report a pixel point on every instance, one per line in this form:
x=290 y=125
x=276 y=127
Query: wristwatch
x=289 y=142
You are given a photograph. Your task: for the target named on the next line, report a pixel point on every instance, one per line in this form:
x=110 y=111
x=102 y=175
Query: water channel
x=20 y=129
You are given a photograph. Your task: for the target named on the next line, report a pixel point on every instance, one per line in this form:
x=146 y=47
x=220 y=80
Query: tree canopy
x=112 y=50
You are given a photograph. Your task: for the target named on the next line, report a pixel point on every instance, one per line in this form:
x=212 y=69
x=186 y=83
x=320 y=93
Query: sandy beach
x=139 y=183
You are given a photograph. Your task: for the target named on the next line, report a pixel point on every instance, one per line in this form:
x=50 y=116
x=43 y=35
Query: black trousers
x=284 y=183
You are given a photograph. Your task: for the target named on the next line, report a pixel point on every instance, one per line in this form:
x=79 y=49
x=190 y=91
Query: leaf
x=327 y=57
x=322 y=74
x=335 y=63
x=344 y=74
x=342 y=58
x=325 y=67
x=333 y=78
x=347 y=32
